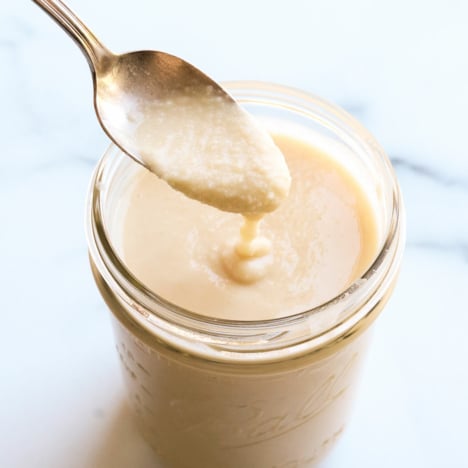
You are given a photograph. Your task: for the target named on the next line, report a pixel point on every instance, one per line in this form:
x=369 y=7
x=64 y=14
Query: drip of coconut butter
x=248 y=259
x=212 y=150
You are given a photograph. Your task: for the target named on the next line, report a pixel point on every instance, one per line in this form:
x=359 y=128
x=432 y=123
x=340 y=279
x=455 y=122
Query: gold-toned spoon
x=125 y=84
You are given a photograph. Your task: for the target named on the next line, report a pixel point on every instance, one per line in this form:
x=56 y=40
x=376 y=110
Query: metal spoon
x=125 y=84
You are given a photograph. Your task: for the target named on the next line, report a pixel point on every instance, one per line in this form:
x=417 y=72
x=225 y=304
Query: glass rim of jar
x=356 y=307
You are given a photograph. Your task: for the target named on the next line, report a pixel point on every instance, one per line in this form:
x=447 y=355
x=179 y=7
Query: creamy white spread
x=212 y=150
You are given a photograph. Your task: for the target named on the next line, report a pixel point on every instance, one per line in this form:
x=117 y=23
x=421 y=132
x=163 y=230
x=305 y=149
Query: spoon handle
x=96 y=53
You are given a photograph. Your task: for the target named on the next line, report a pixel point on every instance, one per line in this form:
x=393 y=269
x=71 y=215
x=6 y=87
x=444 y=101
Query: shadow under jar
x=211 y=393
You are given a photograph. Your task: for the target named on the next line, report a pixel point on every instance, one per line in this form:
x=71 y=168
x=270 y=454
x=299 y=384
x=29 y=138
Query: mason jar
x=213 y=393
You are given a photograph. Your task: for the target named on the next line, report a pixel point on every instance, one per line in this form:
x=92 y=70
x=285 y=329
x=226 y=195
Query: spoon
x=124 y=85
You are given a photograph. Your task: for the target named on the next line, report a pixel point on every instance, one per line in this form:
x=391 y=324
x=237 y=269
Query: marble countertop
x=400 y=67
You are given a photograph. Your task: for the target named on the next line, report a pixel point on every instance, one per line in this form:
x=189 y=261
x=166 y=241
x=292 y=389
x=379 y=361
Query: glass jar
x=211 y=393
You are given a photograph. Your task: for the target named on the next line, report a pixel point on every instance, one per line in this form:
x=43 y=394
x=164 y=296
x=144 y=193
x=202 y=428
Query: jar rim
x=153 y=310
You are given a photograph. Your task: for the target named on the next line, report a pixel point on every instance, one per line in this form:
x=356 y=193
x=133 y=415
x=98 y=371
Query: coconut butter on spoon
x=180 y=124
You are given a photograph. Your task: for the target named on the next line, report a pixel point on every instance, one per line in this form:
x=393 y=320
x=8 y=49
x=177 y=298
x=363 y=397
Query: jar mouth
x=350 y=306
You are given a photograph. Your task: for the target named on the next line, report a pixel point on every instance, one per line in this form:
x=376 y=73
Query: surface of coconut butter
x=212 y=150
x=320 y=239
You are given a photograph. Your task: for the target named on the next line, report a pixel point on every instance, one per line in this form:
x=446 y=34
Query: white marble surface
x=401 y=67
